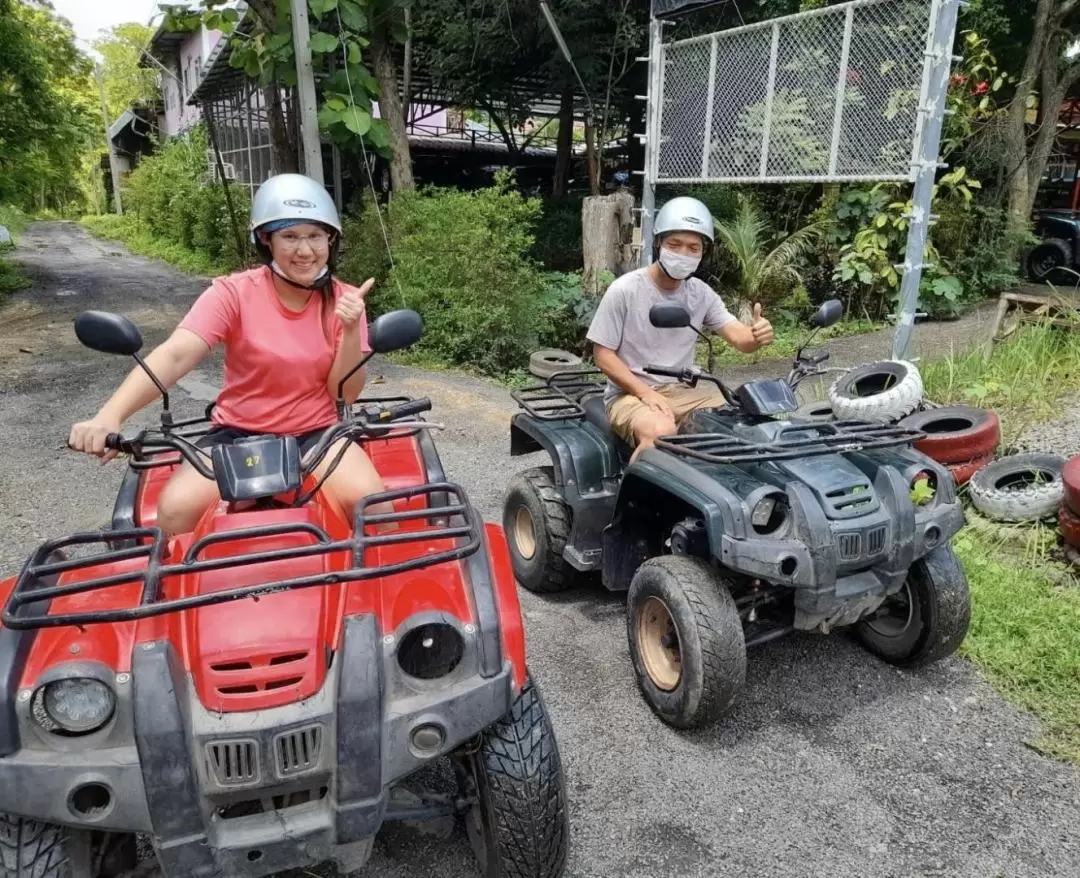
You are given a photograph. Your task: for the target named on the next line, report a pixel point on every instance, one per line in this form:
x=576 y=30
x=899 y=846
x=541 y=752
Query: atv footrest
x=559 y=398
x=464 y=530
x=791 y=441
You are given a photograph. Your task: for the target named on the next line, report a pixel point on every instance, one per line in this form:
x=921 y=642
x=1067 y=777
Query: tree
x=1046 y=78
x=345 y=36
x=126 y=83
x=48 y=113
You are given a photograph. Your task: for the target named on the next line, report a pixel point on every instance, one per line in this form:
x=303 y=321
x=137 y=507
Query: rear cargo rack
x=791 y=441
x=560 y=397
x=23 y=608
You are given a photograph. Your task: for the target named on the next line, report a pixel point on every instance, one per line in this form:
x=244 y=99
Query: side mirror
x=108 y=333
x=395 y=330
x=669 y=316
x=828 y=314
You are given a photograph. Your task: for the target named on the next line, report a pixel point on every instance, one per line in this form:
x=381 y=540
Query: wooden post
x=607 y=227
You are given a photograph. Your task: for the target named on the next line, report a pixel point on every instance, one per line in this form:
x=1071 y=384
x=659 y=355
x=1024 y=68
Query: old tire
x=1070 y=478
x=1069 y=524
x=686 y=640
x=519 y=826
x=927 y=619
x=549 y=361
x=1019 y=487
x=962 y=472
x=537 y=523
x=814 y=413
x=32 y=849
x=956 y=433
x=882 y=392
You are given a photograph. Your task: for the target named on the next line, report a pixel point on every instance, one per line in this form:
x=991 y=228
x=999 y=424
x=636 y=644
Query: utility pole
x=113 y=168
x=305 y=84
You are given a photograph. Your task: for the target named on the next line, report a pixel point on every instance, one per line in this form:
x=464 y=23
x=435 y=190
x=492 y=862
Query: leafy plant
x=766 y=272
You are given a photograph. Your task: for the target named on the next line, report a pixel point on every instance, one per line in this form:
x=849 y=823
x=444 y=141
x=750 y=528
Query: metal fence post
x=932 y=111
x=652 y=138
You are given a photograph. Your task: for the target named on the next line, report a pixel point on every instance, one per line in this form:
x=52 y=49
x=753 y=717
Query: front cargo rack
x=560 y=397
x=36 y=584
x=791 y=441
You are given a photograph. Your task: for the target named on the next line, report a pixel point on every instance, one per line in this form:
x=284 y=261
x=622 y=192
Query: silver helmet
x=288 y=199
x=684 y=214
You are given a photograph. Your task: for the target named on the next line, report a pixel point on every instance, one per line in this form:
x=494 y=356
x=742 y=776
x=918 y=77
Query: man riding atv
x=643 y=407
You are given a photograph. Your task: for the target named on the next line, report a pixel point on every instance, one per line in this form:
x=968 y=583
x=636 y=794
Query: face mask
x=678 y=266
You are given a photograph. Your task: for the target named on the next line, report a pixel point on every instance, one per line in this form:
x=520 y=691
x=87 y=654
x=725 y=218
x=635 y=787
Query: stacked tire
x=962 y=437
x=1069 y=513
x=883 y=392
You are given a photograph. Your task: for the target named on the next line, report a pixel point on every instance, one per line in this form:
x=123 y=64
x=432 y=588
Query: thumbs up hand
x=761 y=328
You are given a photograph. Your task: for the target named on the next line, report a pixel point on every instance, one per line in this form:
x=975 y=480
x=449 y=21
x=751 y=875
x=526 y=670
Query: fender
x=656 y=491
x=587 y=473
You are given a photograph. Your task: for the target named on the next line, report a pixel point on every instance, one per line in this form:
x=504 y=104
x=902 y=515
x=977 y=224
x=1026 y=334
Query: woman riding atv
x=291 y=332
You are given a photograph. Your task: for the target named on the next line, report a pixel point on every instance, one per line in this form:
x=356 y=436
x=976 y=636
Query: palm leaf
x=744 y=237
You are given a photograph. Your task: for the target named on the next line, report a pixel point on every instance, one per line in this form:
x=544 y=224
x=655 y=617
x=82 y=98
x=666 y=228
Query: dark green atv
x=747 y=525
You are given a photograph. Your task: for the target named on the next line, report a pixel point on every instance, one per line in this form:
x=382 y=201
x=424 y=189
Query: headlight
x=769 y=514
x=77 y=705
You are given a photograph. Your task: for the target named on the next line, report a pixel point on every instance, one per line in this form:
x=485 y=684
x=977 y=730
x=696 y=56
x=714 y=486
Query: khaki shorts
x=625 y=411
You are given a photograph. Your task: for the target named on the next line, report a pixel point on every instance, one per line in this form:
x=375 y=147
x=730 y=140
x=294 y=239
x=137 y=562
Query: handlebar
x=668 y=372
x=818 y=358
x=413 y=407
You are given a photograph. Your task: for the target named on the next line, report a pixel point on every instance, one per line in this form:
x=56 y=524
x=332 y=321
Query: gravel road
x=833 y=764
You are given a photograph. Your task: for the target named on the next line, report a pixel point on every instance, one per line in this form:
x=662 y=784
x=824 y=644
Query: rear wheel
x=686 y=640
x=927 y=619
x=518 y=827
x=537 y=523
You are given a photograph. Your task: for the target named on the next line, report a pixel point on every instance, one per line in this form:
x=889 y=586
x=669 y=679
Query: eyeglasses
x=292 y=241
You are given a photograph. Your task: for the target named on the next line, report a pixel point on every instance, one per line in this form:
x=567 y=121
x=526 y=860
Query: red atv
x=251 y=695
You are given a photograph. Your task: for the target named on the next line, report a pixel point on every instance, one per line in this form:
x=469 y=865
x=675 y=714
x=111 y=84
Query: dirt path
x=833 y=764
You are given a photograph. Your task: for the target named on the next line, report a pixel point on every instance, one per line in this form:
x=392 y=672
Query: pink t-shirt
x=276 y=360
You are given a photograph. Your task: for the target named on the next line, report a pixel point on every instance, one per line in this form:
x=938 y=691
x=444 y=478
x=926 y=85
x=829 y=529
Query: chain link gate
x=849 y=93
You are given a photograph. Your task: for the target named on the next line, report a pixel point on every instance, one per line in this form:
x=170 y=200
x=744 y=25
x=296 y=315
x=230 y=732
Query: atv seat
x=596 y=414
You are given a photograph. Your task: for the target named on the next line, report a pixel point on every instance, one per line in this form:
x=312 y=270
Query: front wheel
x=32 y=849
x=927 y=619
x=686 y=640
x=518 y=827
x=537 y=520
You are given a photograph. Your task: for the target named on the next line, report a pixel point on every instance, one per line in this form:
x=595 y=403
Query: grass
x=1025 y=628
x=127 y=230
x=1025 y=634
x=1025 y=379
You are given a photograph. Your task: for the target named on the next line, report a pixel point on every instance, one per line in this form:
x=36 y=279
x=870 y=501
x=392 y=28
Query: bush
x=169 y=197
x=558 y=235
x=462 y=260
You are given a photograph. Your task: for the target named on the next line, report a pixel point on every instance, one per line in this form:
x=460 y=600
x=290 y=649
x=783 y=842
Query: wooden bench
x=1017 y=308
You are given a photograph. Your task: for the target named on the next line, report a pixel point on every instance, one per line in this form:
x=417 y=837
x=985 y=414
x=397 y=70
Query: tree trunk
x=607 y=223
x=1022 y=188
x=391 y=110
x=591 y=161
x=283 y=148
x=564 y=145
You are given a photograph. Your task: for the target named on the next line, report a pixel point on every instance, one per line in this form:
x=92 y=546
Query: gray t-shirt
x=622 y=323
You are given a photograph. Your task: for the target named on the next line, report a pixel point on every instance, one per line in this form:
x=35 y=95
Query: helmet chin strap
x=321 y=282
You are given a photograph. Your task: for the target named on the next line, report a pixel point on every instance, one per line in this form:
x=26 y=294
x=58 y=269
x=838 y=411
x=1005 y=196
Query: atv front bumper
x=252 y=794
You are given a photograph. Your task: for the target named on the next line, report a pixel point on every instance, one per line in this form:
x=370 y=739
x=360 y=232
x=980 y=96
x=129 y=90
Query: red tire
x=1071 y=477
x=962 y=472
x=956 y=433
x=1069 y=522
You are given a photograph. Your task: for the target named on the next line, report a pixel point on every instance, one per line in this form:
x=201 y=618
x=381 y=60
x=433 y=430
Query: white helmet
x=684 y=214
x=288 y=199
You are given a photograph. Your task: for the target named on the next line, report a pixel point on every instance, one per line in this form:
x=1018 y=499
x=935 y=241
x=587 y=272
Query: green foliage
x=126 y=83
x=1027 y=375
x=48 y=115
x=872 y=231
x=14 y=219
x=341 y=32
x=1025 y=634
x=558 y=234
x=173 y=211
x=462 y=260
x=767 y=271
x=566 y=310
